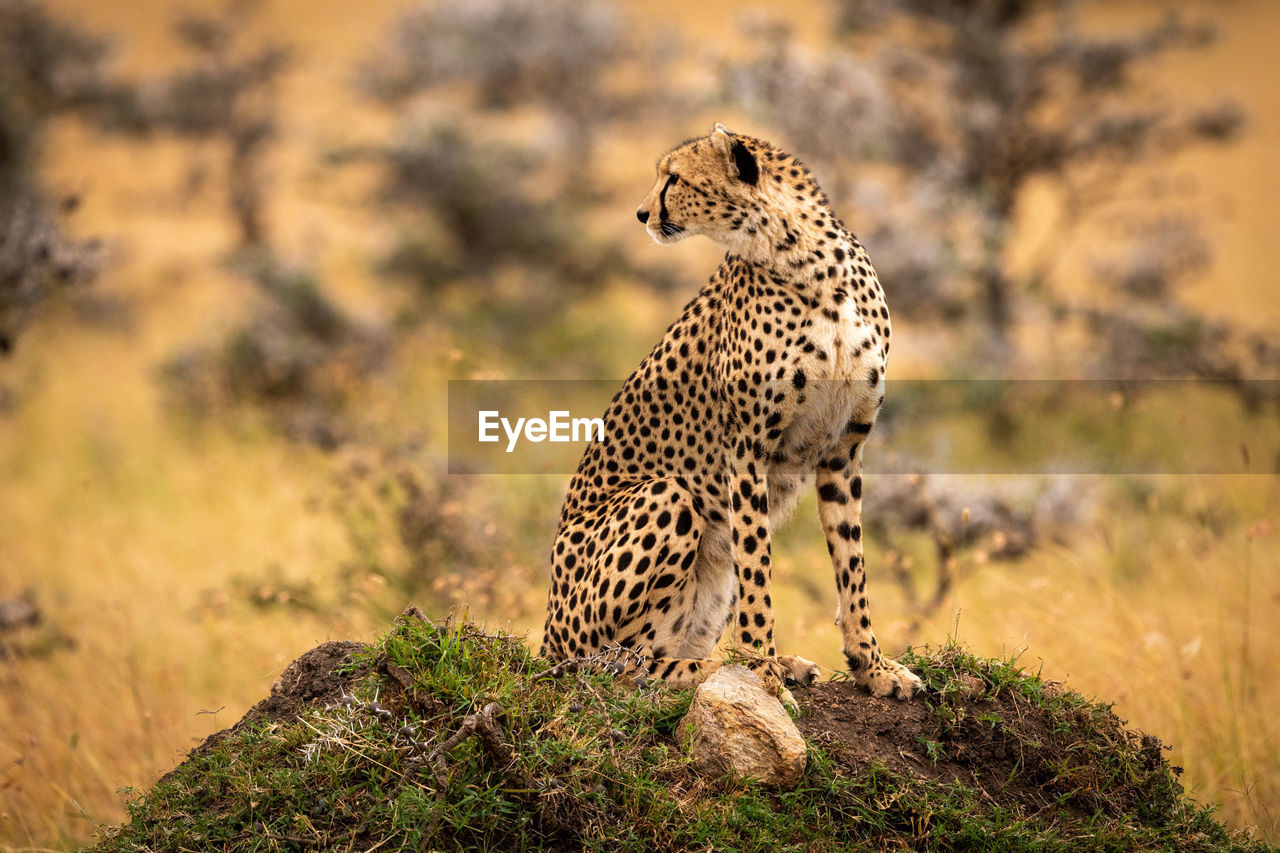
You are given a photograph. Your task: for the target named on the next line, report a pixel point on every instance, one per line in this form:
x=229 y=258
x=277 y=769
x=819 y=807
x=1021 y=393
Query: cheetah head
x=708 y=185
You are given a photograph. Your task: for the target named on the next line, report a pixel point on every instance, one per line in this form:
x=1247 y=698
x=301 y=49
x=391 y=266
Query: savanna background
x=244 y=248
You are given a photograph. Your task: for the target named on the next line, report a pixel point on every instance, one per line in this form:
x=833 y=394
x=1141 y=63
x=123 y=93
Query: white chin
x=665 y=239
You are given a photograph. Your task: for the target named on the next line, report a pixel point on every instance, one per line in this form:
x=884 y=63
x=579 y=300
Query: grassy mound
x=440 y=737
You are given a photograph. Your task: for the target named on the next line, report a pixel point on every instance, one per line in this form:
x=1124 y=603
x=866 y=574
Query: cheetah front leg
x=839 y=483
x=753 y=564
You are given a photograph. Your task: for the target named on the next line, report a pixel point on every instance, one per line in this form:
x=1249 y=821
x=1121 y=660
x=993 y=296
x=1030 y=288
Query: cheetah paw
x=789 y=702
x=890 y=678
x=773 y=674
x=798 y=671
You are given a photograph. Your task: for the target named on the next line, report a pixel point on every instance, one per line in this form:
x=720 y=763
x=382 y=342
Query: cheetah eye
x=673 y=179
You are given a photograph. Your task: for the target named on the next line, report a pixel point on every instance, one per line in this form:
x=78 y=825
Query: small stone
x=969 y=686
x=737 y=727
x=575 y=707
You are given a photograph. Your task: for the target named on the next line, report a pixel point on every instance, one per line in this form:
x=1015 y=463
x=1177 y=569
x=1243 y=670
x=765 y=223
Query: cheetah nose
x=642 y=215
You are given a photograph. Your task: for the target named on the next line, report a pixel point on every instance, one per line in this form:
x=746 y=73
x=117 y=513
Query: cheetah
x=771 y=379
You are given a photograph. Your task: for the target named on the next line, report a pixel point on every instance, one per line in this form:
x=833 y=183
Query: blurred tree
x=1148 y=332
x=486 y=215
x=968 y=105
x=966 y=523
x=558 y=55
x=299 y=356
x=226 y=95
x=499 y=106
x=47 y=67
x=483 y=213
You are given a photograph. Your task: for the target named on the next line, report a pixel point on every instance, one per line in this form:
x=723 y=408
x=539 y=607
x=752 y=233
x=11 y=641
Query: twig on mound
x=554 y=671
x=611 y=659
x=483 y=725
x=412 y=611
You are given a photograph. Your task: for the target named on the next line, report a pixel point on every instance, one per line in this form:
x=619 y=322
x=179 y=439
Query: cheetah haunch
x=770 y=379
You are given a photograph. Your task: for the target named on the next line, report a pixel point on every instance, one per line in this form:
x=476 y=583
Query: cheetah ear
x=739 y=162
x=722 y=141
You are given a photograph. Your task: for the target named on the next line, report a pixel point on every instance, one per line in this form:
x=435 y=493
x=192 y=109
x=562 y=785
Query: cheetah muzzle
x=770 y=380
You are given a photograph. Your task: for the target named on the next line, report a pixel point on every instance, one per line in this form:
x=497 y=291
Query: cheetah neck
x=801 y=246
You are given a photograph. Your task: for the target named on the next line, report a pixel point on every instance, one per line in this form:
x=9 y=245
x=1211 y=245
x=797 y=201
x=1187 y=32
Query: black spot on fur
x=831 y=493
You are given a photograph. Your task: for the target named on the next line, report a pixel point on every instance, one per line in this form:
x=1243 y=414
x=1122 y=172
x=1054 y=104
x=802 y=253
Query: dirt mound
x=1031 y=754
x=465 y=749
x=309 y=681
x=861 y=730
x=1007 y=746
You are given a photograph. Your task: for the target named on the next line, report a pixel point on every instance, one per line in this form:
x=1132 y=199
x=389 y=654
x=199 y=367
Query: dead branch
x=484 y=726
x=612 y=659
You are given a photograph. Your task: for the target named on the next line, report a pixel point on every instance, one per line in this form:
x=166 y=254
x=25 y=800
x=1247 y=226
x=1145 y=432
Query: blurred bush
x=967 y=523
x=559 y=56
x=490 y=170
x=415 y=531
x=299 y=357
x=476 y=212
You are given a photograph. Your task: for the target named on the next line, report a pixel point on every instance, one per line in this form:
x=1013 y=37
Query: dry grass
x=131 y=526
x=128 y=530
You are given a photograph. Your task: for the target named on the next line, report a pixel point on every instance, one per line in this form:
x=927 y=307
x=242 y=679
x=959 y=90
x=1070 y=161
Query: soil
x=309 y=681
x=1005 y=746
x=860 y=729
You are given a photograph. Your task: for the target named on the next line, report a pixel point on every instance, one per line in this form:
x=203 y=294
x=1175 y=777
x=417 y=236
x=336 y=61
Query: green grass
x=593 y=764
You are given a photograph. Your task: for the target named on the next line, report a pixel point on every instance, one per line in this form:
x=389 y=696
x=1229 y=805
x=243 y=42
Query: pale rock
x=737 y=727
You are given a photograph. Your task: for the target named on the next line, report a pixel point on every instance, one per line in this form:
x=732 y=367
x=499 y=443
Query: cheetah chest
x=847 y=387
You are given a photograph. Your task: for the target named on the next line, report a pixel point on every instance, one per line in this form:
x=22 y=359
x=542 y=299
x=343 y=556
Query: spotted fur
x=770 y=380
